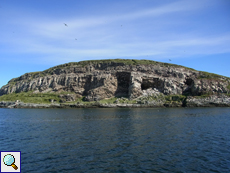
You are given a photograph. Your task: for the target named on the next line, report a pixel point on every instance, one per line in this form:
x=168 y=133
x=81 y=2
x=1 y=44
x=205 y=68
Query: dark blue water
x=118 y=140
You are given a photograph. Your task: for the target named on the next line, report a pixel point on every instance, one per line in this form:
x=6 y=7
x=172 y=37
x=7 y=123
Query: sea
x=161 y=140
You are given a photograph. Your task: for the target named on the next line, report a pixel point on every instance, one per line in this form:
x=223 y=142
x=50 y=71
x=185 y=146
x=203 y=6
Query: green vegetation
x=203 y=96
x=27 y=76
x=228 y=87
x=108 y=101
x=177 y=98
x=208 y=75
x=36 y=74
x=30 y=97
x=45 y=98
x=104 y=101
x=118 y=61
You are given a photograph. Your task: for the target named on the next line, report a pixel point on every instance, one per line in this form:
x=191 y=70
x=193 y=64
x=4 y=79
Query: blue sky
x=33 y=36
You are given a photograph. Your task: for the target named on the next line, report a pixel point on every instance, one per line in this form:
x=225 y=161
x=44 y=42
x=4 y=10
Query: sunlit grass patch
x=30 y=97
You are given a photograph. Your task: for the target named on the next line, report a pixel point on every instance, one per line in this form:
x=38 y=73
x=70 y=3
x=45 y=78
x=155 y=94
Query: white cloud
x=178 y=6
x=102 y=36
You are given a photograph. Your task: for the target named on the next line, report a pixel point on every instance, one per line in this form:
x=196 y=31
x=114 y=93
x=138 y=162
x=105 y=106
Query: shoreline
x=211 y=101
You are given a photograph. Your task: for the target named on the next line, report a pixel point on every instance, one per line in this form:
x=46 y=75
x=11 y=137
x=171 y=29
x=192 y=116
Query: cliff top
x=115 y=62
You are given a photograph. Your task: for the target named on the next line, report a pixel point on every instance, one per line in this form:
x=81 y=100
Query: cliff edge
x=141 y=81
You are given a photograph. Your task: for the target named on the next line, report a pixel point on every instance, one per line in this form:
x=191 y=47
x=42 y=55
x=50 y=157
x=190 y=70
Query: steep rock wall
x=102 y=80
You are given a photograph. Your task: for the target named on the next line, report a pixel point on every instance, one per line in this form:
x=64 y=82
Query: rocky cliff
x=133 y=79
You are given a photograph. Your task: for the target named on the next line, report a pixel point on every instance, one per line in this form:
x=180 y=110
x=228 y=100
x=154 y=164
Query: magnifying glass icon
x=9 y=160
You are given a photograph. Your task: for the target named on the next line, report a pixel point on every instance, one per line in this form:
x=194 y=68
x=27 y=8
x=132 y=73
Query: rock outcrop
x=214 y=100
x=133 y=79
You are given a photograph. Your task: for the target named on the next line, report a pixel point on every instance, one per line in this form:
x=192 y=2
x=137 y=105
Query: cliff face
x=98 y=80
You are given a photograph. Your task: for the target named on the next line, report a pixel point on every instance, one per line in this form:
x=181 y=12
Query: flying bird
x=65 y=24
x=170 y=60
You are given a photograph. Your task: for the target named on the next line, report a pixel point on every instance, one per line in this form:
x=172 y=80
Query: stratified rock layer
x=98 y=80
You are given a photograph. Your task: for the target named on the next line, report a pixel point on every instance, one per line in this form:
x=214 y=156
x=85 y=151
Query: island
x=116 y=83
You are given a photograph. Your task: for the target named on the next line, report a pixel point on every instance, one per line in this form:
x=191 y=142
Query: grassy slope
x=44 y=98
x=30 y=97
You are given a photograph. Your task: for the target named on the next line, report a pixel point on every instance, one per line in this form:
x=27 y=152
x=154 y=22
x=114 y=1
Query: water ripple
x=118 y=140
